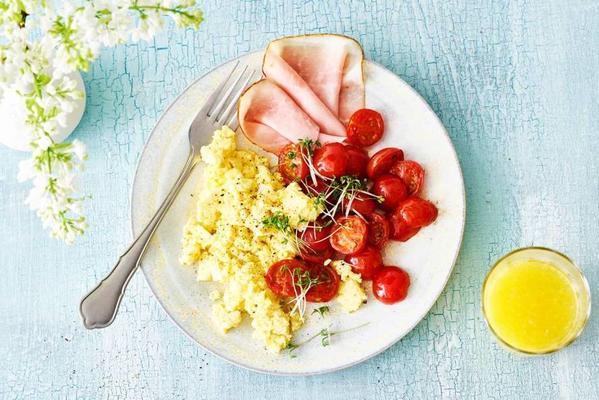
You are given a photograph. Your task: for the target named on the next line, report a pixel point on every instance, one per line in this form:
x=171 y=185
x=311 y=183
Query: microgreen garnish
x=325 y=336
x=278 y=221
x=291 y=347
x=308 y=145
x=319 y=201
x=346 y=183
x=302 y=282
x=322 y=311
x=340 y=192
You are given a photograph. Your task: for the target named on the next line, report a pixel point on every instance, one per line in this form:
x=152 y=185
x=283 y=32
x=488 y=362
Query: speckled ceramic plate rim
x=145 y=150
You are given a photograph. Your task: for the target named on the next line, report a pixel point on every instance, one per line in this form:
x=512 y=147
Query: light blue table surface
x=517 y=87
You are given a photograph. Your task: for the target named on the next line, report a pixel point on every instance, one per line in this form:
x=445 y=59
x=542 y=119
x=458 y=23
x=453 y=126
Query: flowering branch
x=38 y=69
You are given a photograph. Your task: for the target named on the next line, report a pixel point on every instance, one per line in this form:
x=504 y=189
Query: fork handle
x=99 y=307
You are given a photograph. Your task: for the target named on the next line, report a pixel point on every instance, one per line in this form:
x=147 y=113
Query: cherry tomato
x=312 y=188
x=378 y=230
x=366 y=263
x=361 y=203
x=418 y=212
x=382 y=161
x=291 y=163
x=390 y=284
x=400 y=230
x=365 y=127
x=316 y=236
x=330 y=160
x=316 y=256
x=411 y=173
x=349 y=234
x=279 y=277
x=392 y=189
x=327 y=286
x=357 y=159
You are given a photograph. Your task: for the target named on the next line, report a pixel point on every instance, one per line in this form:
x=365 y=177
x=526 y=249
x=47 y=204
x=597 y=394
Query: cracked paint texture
x=516 y=85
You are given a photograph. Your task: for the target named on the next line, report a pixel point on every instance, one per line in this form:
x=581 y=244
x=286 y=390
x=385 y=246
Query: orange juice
x=535 y=305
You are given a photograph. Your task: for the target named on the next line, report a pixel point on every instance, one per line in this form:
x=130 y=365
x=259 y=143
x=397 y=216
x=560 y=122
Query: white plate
x=428 y=257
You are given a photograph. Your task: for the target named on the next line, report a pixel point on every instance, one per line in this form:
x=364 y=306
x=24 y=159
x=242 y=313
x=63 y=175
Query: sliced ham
x=264 y=136
x=271 y=119
x=329 y=65
x=285 y=76
x=324 y=138
x=352 y=94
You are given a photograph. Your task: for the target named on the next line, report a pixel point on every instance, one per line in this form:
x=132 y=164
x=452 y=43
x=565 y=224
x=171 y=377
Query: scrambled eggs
x=351 y=294
x=227 y=241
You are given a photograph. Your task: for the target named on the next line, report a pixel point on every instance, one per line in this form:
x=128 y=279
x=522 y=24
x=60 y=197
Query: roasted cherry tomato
x=365 y=127
x=330 y=160
x=361 y=203
x=357 y=159
x=390 y=284
x=411 y=173
x=316 y=235
x=366 y=263
x=291 y=163
x=349 y=234
x=327 y=286
x=382 y=161
x=400 y=230
x=279 y=276
x=378 y=230
x=417 y=212
x=392 y=189
x=316 y=256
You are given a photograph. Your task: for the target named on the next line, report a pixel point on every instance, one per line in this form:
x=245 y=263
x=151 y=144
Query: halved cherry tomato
x=361 y=203
x=400 y=230
x=316 y=236
x=418 y=212
x=366 y=263
x=291 y=163
x=327 y=286
x=382 y=161
x=378 y=230
x=330 y=160
x=392 y=189
x=316 y=256
x=279 y=277
x=411 y=173
x=390 y=284
x=357 y=159
x=349 y=234
x=365 y=127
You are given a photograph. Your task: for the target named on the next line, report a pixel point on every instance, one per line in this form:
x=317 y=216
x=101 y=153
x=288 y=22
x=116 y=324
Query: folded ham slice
x=322 y=73
x=313 y=84
x=271 y=119
x=324 y=138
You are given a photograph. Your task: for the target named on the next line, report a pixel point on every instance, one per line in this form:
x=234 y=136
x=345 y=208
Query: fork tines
x=221 y=106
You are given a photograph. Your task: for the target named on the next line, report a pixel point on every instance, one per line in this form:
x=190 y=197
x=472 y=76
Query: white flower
x=78 y=148
x=44 y=142
x=25 y=83
x=36 y=55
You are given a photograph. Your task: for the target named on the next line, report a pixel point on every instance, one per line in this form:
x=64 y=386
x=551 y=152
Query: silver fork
x=99 y=307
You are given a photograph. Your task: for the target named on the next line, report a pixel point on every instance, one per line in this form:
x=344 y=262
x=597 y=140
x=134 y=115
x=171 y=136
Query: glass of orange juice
x=536 y=300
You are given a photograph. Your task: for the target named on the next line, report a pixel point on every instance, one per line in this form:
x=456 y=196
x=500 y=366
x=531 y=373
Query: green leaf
x=322 y=311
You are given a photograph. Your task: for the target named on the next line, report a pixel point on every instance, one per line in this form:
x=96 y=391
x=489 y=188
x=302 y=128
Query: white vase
x=12 y=118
